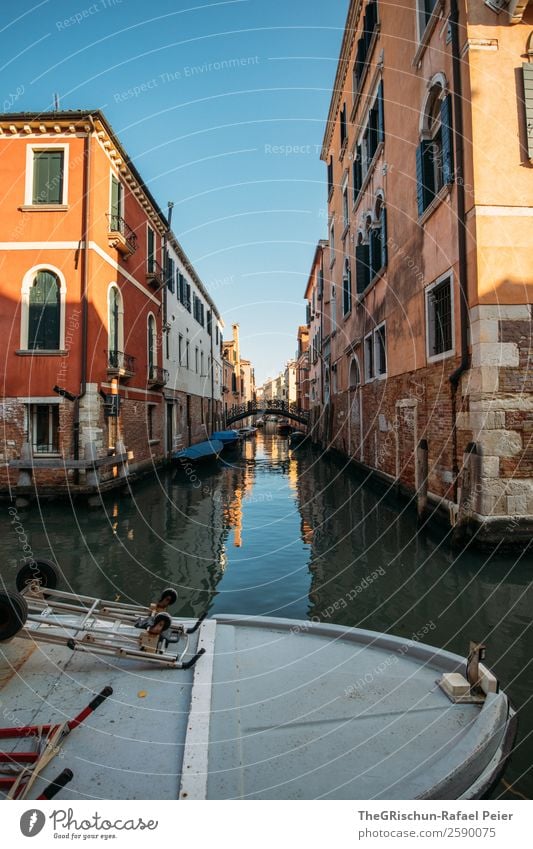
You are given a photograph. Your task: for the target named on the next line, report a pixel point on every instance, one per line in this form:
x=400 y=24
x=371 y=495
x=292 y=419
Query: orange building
x=81 y=247
x=302 y=369
x=428 y=286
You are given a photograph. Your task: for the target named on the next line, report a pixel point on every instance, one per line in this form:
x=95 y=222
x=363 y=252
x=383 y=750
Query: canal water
x=295 y=534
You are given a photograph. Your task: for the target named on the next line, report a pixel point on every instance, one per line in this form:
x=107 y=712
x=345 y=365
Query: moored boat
x=227 y=437
x=284 y=427
x=320 y=711
x=209 y=450
x=296 y=438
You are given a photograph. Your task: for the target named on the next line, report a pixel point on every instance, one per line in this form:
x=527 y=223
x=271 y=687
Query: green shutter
x=362 y=267
x=527 y=69
x=357 y=173
x=381 y=114
x=116 y=201
x=151 y=249
x=424 y=178
x=447 y=139
x=384 y=246
x=47 y=176
x=44 y=313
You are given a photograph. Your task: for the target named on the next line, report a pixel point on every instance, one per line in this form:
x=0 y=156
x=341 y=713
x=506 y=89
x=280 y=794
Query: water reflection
x=293 y=534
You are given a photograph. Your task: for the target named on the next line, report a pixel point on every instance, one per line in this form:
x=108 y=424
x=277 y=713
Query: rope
x=511 y=789
x=30 y=774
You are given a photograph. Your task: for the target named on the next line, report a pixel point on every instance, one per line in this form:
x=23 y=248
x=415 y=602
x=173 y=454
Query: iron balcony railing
x=155 y=275
x=118 y=225
x=118 y=361
x=157 y=376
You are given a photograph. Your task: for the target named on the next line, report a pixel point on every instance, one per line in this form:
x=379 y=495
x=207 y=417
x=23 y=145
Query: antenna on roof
x=56 y=101
x=170 y=205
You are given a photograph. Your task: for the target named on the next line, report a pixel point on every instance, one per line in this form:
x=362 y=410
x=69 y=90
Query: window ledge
x=443 y=195
x=437 y=358
x=428 y=32
x=347 y=315
x=332 y=261
x=330 y=193
x=345 y=231
x=41 y=353
x=44 y=207
x=154 y=441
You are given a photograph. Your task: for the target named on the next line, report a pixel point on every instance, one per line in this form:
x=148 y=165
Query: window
x=343 y=125
x=434 y=156
x=196 y=360
x=378 y=239
x=332 y=242
x=202 y=364
x=439 y=316
x=346 y=288
x=362 y=264
x=217 y=334
x=372 y=136
x=180 y=349
x=334 y=380
x=43 y=427
x=209 y=322
x=354 y=374
x=364 y=44
x=150 y=421
x=187 y=354
x=425 y=9
x=380 y=351
x=330 y=176
x=150 y=250
x=170 y=269
x=333 y=308
x=152 y=346
x=44 y=312
x=188 y=296
x=527 y=73
x=376 y=353
x=48 y=184
x=345 y=210
x=117 y=204
x=115 y=327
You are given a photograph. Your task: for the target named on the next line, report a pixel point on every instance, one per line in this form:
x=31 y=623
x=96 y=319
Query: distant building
x=302 y=369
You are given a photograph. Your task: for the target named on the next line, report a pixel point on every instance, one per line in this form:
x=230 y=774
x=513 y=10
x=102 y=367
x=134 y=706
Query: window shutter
x=188 y=286
x=447 y=139
x=357 y=173
x=381 y=114
x=48 y=177
x=360 y=60
x=423 y=176
x=151 y=248
x=384 y=246
x=44 y=313
x=330 y=175
x=527 y=70
x=375 y=251
x=116 y=198
x=362 y=268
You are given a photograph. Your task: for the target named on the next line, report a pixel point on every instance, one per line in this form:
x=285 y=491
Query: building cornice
x=342 y=71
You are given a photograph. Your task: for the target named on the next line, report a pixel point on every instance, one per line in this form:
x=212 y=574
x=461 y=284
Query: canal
x=295 y=534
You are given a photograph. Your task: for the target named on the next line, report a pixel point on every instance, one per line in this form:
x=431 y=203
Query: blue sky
x=222 y=106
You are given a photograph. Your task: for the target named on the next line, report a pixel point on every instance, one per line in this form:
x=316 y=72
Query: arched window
x=44 y=312
x=355 y=376
x=435 y=153
x=152 y=347
x=346 y=287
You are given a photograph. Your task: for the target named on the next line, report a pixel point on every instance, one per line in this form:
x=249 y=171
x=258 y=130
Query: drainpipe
x=84 y=287
x=461 y=229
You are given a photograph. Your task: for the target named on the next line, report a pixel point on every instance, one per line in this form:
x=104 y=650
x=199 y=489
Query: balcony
x=157 y=376
x=120 y=235
x=120 y=364
x=155 y=276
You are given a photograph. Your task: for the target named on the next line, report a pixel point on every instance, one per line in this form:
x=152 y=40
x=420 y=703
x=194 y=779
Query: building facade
x=302 y=369
x=192 y=354
x=85 y=339
x=428 y=284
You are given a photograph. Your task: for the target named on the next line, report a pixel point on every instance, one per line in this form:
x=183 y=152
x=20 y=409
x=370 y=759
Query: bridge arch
x=272 y=407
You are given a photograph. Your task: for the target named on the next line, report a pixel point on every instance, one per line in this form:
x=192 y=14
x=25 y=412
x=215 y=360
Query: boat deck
x=275 y=709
